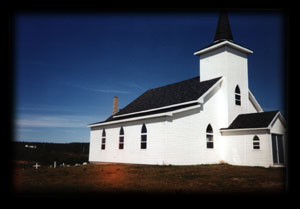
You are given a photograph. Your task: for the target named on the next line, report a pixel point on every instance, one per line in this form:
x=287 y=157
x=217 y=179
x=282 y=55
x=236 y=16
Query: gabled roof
x=252 y=120
x=166 y=98
x=176 y=93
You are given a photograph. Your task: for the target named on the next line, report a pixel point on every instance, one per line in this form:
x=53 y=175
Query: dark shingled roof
x=252 y=120
x=180 y=92
x=223 y=31
x=184 y=91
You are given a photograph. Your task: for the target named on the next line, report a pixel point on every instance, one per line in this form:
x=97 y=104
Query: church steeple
x=223 y=37
x=223 y=31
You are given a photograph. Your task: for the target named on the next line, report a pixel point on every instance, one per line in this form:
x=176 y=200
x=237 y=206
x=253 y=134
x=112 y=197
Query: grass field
x=149 y=179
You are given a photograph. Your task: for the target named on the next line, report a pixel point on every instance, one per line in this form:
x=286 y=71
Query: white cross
x=36 y=166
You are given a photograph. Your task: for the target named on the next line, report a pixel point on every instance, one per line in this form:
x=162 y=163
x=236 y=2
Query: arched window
x=237 y=95
x=256 y=143
x=121 y=138
x=103 y=139
x=144 y=137
x=209 y=137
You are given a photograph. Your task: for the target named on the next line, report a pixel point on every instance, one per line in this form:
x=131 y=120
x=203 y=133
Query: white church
x=210 y=119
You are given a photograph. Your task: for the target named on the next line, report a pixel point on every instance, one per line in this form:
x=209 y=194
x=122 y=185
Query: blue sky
x=68 y=67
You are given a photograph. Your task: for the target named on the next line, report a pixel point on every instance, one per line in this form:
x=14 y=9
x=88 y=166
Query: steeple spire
x=223 y=31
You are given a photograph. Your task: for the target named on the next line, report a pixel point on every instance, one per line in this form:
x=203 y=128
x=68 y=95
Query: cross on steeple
x=223 y=31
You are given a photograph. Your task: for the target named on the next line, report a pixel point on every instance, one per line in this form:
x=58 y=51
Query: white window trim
x=143 y=142
x=256 y=145
x=237 y=94
x=121 y=142
x=103 y=137
x=212 y=135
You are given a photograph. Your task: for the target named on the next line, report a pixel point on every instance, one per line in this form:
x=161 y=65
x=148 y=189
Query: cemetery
x=111 y=179
x=40 y=172
x=27 y=154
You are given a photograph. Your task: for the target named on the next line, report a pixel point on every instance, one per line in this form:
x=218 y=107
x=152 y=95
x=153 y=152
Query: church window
x=103 y=140
x=121 y=138
x=237 y=96
x=209 y=137
x=144 y=137
x=256 y=144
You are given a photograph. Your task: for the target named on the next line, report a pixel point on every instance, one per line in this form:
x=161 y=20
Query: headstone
x=36 y=166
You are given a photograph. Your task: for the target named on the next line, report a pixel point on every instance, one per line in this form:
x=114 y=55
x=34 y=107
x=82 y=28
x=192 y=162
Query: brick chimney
x=115 y=105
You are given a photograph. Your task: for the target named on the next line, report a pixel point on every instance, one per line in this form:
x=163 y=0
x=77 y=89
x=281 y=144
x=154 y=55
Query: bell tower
x=223 y=57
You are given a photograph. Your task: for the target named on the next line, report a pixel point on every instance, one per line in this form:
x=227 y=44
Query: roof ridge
x=174 y=83
x=260 y=112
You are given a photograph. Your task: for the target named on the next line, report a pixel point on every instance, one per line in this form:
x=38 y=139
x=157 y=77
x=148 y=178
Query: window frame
x=256 y=140
x=143 y=145
x=103 y=140
x=237 y=96
x=209 y=137
x=121 y=136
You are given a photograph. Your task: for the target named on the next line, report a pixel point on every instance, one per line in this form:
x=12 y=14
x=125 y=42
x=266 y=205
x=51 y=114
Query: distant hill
x=47 y=153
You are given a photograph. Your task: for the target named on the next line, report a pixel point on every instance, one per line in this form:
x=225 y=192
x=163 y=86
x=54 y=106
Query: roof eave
x=281 y=118
x=255 y=102
x=170 y=113
x=154 y=109
x=243 y=129
x=221 y=44
x=201 y=99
